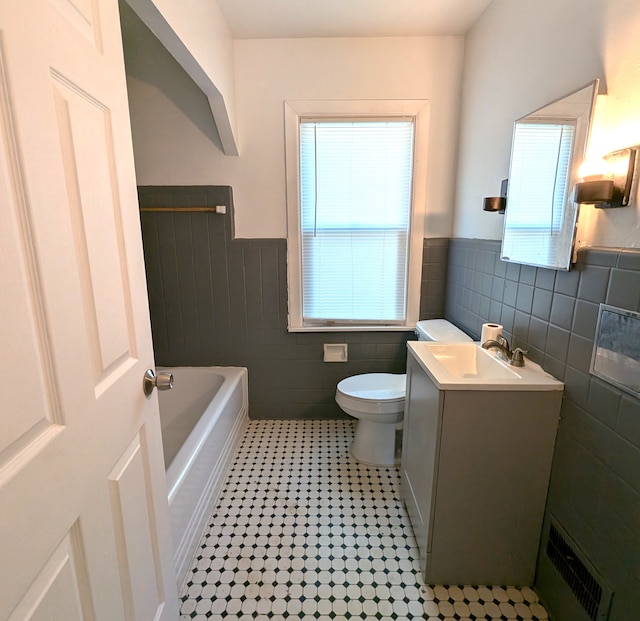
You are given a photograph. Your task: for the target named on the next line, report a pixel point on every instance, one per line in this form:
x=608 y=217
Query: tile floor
x=303 y=531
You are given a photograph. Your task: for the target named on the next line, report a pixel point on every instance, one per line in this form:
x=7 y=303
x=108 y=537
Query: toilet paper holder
x=335 y=352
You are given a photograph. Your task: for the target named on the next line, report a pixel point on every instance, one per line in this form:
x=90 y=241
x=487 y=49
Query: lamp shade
x=599 y=191
x=494 y=203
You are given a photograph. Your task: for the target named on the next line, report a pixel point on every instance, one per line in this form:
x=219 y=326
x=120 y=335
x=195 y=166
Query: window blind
x=538 y=176
x=355 y=196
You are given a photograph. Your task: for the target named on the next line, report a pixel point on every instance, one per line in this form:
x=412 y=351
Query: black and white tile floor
x=303 y=531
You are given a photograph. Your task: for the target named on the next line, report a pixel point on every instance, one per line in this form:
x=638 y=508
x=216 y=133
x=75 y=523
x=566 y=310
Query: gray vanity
x=477 y=448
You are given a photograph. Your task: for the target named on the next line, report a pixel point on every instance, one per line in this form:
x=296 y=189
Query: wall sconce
x=607 y=182
x=497 y=203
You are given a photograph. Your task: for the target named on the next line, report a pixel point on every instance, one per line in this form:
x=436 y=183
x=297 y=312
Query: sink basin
x=466 y=366
x=468 y=361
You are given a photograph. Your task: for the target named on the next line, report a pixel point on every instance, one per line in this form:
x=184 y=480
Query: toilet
x=377 y=400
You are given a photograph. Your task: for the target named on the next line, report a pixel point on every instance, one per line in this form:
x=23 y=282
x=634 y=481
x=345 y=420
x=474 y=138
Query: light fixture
x=607 y=182
x=497 y=203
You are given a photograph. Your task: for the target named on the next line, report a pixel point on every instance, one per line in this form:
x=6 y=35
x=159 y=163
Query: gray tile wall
x=435 y=256
x=219 y=301
x=595 y=482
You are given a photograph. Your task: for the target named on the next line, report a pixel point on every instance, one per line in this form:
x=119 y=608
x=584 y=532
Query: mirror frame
x=577 y=107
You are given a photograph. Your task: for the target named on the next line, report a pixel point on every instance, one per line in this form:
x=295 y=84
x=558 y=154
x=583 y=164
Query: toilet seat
x=374 y=386
x=372 y=393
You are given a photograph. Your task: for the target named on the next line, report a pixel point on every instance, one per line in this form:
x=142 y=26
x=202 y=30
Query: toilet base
x=374 y=444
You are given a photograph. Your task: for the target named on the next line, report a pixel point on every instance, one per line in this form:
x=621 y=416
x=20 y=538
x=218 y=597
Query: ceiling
x=275 y=19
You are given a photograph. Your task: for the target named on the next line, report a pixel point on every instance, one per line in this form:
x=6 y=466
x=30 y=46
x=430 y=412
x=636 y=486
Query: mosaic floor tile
x=303 y=531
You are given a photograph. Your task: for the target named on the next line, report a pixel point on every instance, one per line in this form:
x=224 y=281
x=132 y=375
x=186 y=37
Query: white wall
x=197 y=35
x=523 y=54
x=171 y=149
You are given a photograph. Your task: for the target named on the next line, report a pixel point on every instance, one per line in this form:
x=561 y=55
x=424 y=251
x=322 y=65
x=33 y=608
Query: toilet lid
x=375 y=386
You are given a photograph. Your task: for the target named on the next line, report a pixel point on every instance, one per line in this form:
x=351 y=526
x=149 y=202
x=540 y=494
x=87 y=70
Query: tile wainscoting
x=595 y=482
x=216 y=300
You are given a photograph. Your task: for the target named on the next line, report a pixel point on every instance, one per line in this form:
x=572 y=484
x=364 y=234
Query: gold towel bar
x=183 y=209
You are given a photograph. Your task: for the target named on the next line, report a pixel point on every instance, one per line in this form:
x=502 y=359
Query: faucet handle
x=517 y=357
x=503 y=341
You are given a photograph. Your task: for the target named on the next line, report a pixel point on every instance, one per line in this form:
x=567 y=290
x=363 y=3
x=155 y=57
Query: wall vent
x=593 y=596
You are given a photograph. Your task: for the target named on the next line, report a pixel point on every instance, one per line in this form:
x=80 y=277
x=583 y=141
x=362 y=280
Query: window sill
x=410 y=328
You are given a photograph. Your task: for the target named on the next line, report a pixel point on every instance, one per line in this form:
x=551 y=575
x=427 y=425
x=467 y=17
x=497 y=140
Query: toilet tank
x=439 y=330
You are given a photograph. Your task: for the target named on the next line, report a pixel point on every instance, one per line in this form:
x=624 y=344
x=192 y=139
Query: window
x=355 y=202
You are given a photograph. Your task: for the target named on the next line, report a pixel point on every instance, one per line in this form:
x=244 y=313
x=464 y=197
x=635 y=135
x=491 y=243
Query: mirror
x=548 y=147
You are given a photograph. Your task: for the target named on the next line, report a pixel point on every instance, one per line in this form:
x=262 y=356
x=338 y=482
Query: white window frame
x=294 y=112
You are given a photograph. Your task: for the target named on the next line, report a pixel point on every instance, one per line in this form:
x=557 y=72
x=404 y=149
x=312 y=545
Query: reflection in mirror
x=548 y=147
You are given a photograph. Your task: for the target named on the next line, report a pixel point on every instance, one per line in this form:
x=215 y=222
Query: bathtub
x=202 y=419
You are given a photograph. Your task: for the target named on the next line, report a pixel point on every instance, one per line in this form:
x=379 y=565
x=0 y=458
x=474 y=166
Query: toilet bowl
x=377 y=401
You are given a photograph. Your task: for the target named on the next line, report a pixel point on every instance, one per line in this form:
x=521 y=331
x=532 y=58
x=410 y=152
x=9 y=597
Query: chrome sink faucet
x=514 y=358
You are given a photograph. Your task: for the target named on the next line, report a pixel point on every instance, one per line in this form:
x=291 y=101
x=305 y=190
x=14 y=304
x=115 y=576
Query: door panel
x=25 y=346
x=84 y=129
x=132 y=516
x=56 y=590
x=84 y=532
x=83 y=15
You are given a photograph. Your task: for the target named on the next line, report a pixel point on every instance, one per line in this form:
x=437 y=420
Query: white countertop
x=466 y=366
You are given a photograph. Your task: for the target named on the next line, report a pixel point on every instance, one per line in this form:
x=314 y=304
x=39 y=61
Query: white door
x=84 y=528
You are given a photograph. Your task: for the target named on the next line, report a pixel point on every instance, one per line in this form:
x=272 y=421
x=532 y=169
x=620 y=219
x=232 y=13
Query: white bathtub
x=203 y=419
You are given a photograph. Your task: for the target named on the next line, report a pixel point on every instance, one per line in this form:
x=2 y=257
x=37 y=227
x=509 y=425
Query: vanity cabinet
x=475 y=472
